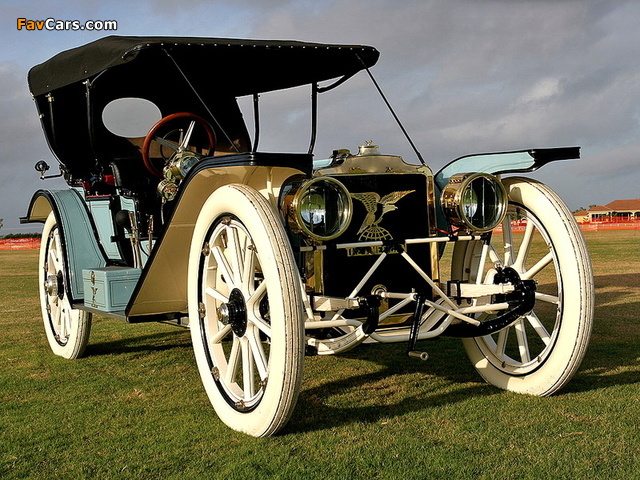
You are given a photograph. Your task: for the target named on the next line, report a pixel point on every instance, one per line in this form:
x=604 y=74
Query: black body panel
x=300 y=161
x=400 y=213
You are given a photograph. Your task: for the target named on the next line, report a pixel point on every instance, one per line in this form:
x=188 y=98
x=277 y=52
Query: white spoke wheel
x=67 y=328
x=538 y=353
x=245 y=311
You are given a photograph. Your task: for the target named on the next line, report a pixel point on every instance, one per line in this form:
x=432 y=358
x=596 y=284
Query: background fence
x=602 y=224
x=19 y=243
x=609 y=223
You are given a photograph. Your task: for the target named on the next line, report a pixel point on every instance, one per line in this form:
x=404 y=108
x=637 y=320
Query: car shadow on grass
x=141 y=343
x=398 y=386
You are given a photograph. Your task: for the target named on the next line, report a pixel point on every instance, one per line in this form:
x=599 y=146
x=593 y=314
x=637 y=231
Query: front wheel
x=67 y=328
x=245 y=311
x=539 y=238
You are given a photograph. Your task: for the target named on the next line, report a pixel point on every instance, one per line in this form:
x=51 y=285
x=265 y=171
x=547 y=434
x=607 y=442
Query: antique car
x=271 y=257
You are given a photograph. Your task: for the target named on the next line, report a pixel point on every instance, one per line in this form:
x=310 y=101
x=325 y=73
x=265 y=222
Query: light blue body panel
x=81 y=247
x=103 y=220
x=522 y=161
x=489 y=163
x=109 y=289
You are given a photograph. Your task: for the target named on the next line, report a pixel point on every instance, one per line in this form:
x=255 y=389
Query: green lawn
x=134 y=406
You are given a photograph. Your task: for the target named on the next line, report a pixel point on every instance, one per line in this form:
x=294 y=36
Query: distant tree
x=592 y=206
x=22 y=235
x=1 y=223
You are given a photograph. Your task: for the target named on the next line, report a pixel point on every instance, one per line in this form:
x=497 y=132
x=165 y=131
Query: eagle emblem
x=373 y=203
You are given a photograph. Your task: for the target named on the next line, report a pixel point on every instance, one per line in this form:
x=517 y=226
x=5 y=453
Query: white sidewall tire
x=573 y=330
x=285 y=305
x=78 y=322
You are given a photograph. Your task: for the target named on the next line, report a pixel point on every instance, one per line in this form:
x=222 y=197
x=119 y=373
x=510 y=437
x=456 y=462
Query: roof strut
x=338 y=82
x=202 y=101
x=314 y=116
x=392 y=111
x=256 y=121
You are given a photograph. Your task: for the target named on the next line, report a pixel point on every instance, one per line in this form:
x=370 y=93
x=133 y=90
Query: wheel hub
x=53 y=285
x=234 y=312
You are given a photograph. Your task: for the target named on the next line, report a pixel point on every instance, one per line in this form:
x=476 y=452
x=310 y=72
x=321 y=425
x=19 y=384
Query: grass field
x=135 y=407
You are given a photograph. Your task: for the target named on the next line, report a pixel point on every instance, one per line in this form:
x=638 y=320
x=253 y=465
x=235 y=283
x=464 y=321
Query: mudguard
x=77 y=233
x=522 y=161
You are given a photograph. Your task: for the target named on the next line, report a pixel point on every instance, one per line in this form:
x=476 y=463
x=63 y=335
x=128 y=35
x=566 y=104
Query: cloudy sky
x=463 y=76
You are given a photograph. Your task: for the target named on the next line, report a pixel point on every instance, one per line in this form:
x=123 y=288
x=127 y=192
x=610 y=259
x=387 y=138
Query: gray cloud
x=466 y=76
x=497 y=75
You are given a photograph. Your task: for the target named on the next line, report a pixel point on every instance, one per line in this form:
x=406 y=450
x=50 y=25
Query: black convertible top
x=260 y=65
x=203 y=76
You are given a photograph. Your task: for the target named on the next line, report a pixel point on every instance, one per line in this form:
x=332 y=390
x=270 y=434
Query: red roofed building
x=616 y=211
x=598 y=213
x=625 y=208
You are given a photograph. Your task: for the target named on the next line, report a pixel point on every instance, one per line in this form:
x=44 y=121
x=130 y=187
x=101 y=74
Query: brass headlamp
x=474 y=201
x=319 y=208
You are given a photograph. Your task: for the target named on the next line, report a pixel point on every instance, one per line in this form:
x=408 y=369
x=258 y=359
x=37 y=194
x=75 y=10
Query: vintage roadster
x=271 y=257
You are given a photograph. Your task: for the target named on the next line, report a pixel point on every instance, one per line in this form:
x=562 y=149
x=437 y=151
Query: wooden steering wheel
x=184 y=140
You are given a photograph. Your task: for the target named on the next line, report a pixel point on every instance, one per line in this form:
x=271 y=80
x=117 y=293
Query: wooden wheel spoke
x=525 y=245
x=56 y=317
x=259 y=356
x=53 y=264
x=507 y=237
x=221 y=335
x=543 y=297
x=523 y=343
x=248 y=274
x=501 y=344
x=483 y=259
x=248 y=372
x=223 y=265
x=234 y=361
x=57 y=251
x=539 y=328
x=235 y=252
x=539 y=265
x=212 y=292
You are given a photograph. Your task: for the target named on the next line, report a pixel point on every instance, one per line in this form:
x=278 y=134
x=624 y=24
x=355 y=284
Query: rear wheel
x=67 y=328
x=245 y=310
x=540 y=351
